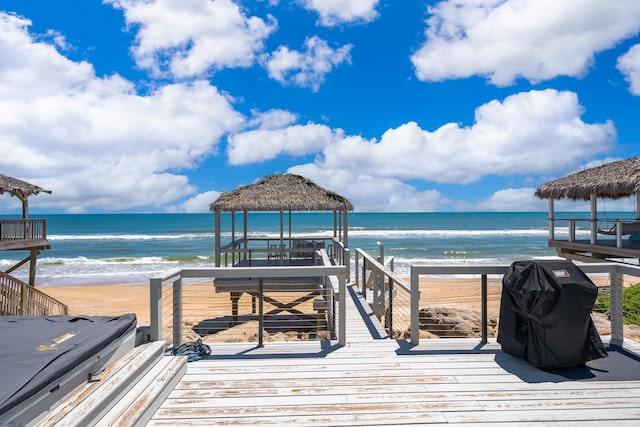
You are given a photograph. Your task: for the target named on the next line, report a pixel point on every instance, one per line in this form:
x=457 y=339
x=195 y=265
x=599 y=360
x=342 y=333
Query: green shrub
x=630 y=304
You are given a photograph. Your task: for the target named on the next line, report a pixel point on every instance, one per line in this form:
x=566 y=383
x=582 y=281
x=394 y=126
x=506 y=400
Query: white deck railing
x=283 y=249
x=615 y=271
x=171 y=286
x=615 y=229
x=390 y=294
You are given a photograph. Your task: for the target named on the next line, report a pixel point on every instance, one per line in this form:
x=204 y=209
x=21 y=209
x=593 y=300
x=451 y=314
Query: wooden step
x=143 y=400
x=92 y=402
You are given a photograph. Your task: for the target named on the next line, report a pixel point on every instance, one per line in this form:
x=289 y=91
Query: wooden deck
x=21 y=234
x=603 y=249
x=377 y=381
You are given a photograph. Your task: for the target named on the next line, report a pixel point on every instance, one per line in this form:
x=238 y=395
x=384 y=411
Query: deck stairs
x=18 y=298
x=127 y=393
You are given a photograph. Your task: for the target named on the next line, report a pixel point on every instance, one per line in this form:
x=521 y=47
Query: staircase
x=127 y=393
x=18 y=298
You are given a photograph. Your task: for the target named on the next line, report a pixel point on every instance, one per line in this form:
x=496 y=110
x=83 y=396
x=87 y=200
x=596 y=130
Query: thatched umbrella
x=21 y=189
x=280 y=193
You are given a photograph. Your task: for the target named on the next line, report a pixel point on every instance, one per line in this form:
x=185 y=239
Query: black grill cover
x=545 y=314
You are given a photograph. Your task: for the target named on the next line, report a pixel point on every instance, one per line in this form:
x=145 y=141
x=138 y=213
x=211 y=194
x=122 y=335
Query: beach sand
x=104 y=299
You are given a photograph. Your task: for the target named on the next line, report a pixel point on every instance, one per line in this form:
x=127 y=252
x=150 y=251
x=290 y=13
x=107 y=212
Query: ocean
x=131 y=248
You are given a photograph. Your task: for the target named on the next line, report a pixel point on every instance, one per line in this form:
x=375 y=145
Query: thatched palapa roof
x=281 y=192
x=19 y=188
x=613 y=180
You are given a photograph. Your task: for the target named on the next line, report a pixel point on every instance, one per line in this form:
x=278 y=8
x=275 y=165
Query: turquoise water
x=131 y=248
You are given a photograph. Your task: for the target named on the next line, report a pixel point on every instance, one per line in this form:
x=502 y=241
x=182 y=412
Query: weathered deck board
x=386 y=382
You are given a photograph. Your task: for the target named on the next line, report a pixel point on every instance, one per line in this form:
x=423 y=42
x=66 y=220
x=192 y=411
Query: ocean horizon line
x=125 y=247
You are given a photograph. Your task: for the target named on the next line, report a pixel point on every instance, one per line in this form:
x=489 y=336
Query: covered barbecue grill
x=545 y=314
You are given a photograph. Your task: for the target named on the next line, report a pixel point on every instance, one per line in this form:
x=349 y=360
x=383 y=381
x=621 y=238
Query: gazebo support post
x=33 y=256
x=346 y=228
x=245 y=218
x=638 y=205
x=217 y=236
x=552 y=220
x=233 y=237
x=281 y=237
x=594 y=218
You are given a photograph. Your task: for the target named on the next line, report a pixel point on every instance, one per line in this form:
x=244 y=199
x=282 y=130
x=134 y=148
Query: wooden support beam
x=33 y=255
x=18 y=265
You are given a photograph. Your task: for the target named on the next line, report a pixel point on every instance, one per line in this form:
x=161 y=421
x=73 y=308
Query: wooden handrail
x=23 y=229
x=18 y=298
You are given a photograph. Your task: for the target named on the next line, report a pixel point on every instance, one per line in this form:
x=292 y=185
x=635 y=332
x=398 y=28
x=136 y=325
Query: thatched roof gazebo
x=613 y=180
x=23 y=234
x=20 y=189
x=282 y=193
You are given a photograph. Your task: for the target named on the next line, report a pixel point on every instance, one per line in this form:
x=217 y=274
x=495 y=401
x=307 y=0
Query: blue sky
x=160 y=105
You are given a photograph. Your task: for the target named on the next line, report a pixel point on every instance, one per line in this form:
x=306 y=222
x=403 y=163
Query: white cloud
x=534 y=39
x=272 y=119
x=369 y=193
x=277 y=135
x=309 y=67
x=335 y=12
x=189 y=38
x=524 y=200
x=199 y=203
x=93 y=141
x=509 y=200
x=629 y=65
x=522 y=135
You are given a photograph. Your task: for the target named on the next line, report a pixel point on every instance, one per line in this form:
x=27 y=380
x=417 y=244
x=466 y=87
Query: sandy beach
x=104 y=299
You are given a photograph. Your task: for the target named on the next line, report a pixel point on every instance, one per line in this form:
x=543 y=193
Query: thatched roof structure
x=20 y=189
x=281 y=192
x=613 y=180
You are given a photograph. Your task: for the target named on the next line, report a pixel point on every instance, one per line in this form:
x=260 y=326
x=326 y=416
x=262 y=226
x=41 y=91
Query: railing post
x=415 y=307
x=346 y=261
x=390 y=309
x=572 y=230
x=617 y=316
x=342 y=311
x=356 y=266
x=364 y=278
x=261 y=313
x=155 y=309
x=177 y=313
x=484 y=309
x=24 y=299
x=375 y=279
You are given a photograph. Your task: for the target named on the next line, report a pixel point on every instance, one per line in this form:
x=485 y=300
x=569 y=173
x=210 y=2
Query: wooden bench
x=128 y=392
